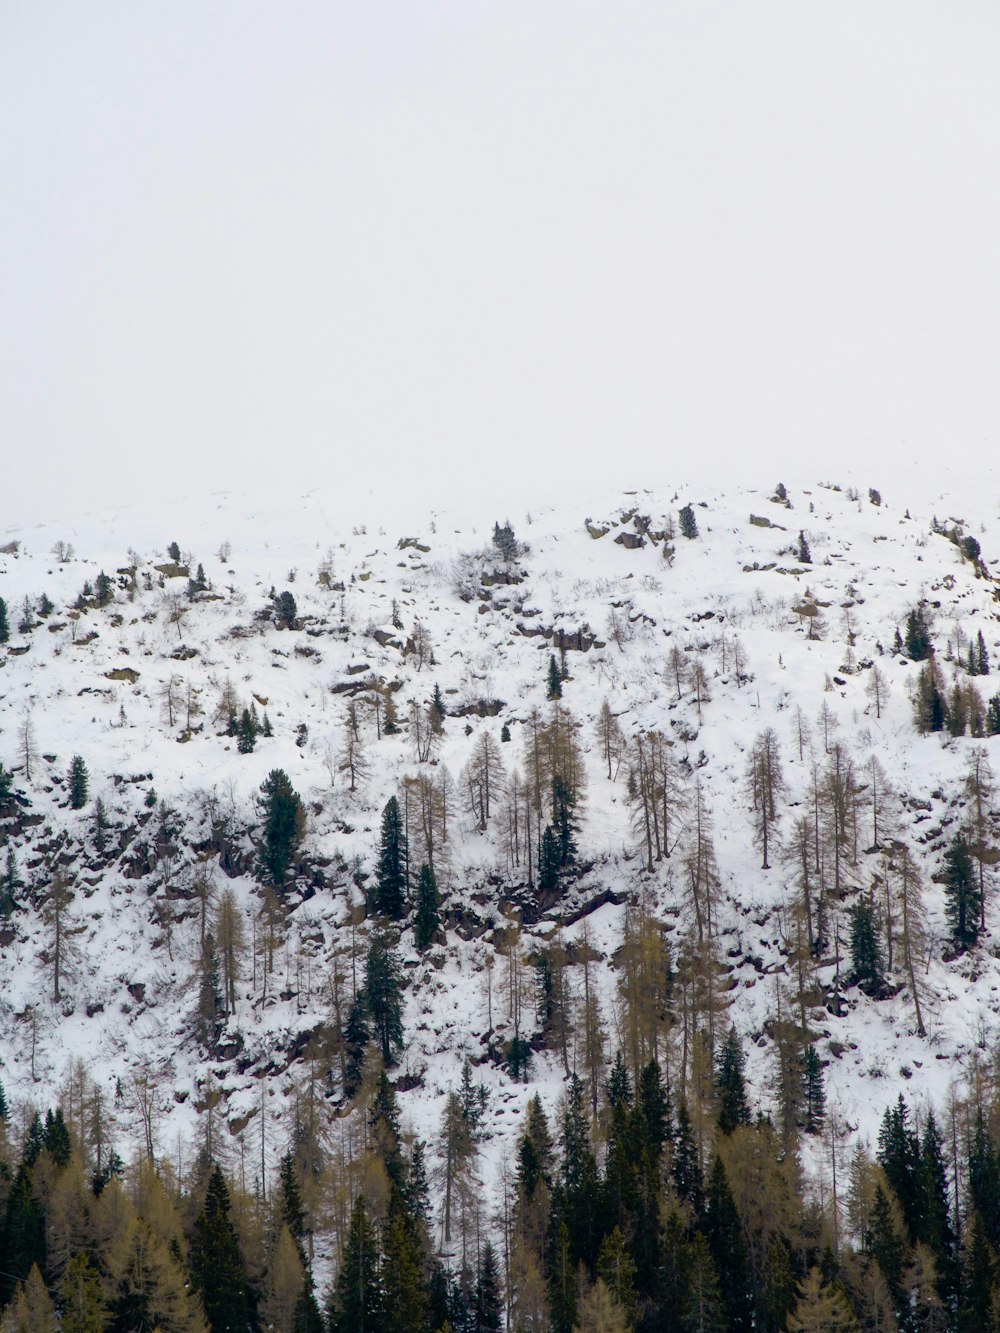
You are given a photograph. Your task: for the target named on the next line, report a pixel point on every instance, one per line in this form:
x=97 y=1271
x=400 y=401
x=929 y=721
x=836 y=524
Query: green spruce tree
x=390 y=874
x=284 y=820
x=383 y=997
x=78 y=783
x=217 y=1269
x=962 y=901
x=427 y=918
x=554 y=679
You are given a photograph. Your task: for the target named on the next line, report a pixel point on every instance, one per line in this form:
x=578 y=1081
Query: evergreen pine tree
x=724 y=1233
x=976 y=1310
x=284 y=818
x=438 y=712
x=357 y=1034
x=554 y=679
x=731 y=1084
x=390 y=874
x=383 y=987
x=4 y=622
x=576 y=1198
x=867 y=967
x=10 y=882
x=56 y=1138
x=703 y=1309
x=306 y=1317
x=489 y=1305
x=285 y=609
x=104 y=589
x=917 y=641
x=813 y=1095
x=23 y=1231
x=217 y=1269
x=549 y=861
x=805 y=555
x=427 y=918
x=899 y=1156
x=246 y=733
x=78 y=783
x=100 y=827
x=686 y=1166
x=290 y=1208
x=564 y=823
x=962 y=902
x=689 y=524
x=383 y=1122
x=935 y=1223
x=984 y=1180
x=357 y=1305
x=654 y=1106
x=884 y=1245
x=402 y=1272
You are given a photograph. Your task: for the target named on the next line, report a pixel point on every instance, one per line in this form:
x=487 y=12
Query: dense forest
x=630 y=1209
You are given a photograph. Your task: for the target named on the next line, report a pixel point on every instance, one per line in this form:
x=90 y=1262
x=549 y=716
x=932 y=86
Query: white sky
x=473 y=244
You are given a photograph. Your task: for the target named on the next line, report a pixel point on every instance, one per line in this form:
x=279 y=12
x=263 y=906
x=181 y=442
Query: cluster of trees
x=627 y=1218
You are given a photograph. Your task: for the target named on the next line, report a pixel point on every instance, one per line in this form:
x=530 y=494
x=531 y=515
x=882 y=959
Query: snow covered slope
x=134 y=689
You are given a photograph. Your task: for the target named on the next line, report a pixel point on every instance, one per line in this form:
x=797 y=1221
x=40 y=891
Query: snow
x=736 y=578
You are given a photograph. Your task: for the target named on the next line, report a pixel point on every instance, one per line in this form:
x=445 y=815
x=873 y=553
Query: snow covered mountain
x=705 y=640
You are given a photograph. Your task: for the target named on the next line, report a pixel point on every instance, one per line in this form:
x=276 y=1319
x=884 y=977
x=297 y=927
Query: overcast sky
x=436 y=243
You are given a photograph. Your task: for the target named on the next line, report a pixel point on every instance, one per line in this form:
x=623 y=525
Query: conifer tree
x=724 y=1233
x=554 y=678
x=822 y=1308
x=10 y=882
x=489 y=1305
x=383 y=997
x=427 y=918
x=402 y=1272
x=703 y=1307
x=356 y=1036
x=689 y=524
x=390 y=874
x=868 y=967
x=804 y=554
x=731 y=1084
x=813 y=1094
x=357 y=1306
x=81 y=1296
x=962 y=903
x=917 y=641
x=78 y=783
x=284 y=819
x=246 y=733
x=685 y=1167
x=576 y=1197
x=4 y=622
x=976 y=1311
x=217 y=1269
x=32 y=1310
x=291 y=1209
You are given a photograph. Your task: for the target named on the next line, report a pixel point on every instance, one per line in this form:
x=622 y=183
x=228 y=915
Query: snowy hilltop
x=614 y=779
